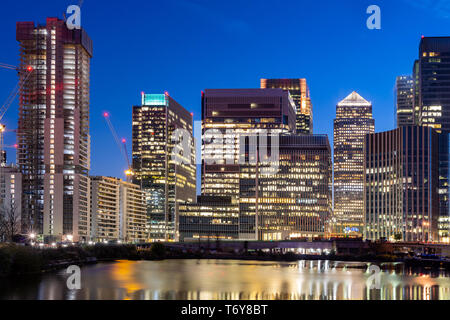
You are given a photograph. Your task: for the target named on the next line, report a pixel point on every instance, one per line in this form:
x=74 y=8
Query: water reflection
x=232 y=280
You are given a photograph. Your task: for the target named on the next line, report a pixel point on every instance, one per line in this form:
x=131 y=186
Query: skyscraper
x=353 y=121
x=433 y=98
x=166 y=181
x=299 y=91
x=404 y=89
x=228 y=115
x=53 y=130
x=401 y=184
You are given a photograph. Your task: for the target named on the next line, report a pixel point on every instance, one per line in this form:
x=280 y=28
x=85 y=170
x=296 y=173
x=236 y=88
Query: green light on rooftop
x=154 y=100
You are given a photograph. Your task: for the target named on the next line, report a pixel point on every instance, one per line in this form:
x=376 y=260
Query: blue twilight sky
x=185 y=46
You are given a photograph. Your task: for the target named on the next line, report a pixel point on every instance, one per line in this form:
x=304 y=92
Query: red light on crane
x=106 y=114
x=124 y=140
x=167 y=93
x=30 y=69
x=16 y=146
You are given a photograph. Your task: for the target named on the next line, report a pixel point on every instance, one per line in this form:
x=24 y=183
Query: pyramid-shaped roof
x=354 y=99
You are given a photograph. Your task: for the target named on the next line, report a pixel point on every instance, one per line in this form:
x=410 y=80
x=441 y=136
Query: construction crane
x=122 y=144
x=12 y=96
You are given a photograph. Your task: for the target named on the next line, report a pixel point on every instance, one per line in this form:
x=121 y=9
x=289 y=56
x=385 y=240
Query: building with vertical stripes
x=401 y=184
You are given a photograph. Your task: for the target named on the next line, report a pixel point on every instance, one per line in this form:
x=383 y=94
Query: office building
x=289 y=197
x=53 y=130
x=401 y=185
x=210 y=218
x=166 y=181
x=433 y=103
x=229 y=115
x=353 y=121
x=298 y=88
x=404 y=90
x=118 y=211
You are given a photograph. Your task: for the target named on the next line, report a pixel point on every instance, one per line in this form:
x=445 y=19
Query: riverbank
x=20 y=260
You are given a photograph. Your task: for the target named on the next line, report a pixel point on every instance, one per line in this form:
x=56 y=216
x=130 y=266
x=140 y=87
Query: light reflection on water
x=230 y=280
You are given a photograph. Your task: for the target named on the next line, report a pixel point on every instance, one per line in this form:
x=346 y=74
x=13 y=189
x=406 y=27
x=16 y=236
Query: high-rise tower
x=353 y=121
x=298 y=88
x=53 y=130
x=433 y=104
x=227 y=116
x=167 y=182
x=404 y=89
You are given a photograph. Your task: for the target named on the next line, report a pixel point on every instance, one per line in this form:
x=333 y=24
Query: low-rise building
x=118 y=211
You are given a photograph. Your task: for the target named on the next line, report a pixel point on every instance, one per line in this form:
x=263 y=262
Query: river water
x=230 y=280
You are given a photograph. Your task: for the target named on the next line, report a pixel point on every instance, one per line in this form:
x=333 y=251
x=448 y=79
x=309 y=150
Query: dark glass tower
x=404 y=89
x=166 y=182
x=433 y=89
x=229 y=114
x=298 y=88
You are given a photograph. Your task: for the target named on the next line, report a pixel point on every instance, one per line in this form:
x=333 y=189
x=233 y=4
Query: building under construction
x=53 y=130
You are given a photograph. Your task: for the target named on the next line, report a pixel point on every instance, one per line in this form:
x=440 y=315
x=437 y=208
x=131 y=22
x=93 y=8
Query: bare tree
x=9 y=221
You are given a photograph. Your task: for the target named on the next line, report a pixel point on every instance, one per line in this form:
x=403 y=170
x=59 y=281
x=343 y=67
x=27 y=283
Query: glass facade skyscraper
x=167 y=182
x=228 y=115
x=353 y=121
x=298 y=88
x=433 y=102
x=404 y=89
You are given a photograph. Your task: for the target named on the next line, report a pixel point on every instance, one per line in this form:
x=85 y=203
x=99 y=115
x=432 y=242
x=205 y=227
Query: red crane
x=12 y=96
x=121 y=143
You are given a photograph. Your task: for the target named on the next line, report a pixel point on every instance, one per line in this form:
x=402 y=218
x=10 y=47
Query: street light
x=32 y=235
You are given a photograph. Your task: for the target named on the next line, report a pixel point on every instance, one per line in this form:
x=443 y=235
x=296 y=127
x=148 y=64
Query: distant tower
x=353 y=121
x=298 y=88
x=53 y=130
x=404 y=89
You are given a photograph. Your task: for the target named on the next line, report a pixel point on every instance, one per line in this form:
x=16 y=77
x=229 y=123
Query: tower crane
x=12 y=96
x=122 y=144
